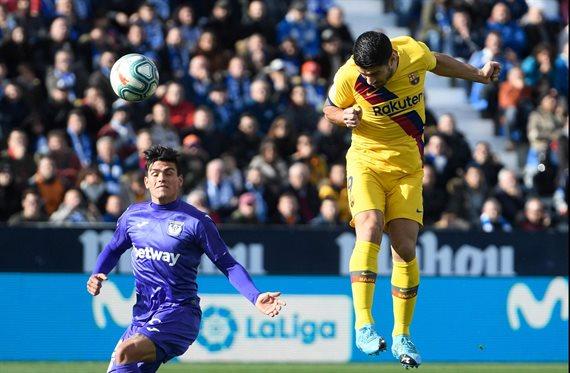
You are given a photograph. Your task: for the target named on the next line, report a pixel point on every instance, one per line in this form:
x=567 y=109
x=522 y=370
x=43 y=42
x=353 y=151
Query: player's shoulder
x=192 y=213
x=348 y=70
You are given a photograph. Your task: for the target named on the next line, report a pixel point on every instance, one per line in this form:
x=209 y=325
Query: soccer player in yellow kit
x=379 y=94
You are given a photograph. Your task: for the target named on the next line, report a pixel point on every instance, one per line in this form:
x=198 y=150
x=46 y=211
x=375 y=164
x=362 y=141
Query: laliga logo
x=218 y=329
x=537 y=313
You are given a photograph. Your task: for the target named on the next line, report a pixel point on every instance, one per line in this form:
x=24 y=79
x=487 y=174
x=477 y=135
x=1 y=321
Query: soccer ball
x=134 y=77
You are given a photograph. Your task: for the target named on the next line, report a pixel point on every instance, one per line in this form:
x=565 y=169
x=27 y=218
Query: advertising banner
x=52 y=317
x=304 y=251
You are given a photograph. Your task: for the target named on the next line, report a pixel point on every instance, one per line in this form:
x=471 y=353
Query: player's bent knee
x=132 y=350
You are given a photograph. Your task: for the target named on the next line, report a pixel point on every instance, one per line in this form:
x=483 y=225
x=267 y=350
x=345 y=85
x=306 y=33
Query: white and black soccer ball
x=134 y=77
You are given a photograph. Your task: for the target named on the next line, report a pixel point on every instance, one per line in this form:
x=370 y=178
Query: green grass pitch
x=26 y=367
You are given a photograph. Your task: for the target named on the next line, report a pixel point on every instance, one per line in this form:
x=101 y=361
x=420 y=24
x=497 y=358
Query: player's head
x=375 y=58
x=163 y=177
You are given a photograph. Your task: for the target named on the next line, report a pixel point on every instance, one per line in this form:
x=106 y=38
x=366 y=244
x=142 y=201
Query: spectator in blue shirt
x=512 y=34
x=303 y=30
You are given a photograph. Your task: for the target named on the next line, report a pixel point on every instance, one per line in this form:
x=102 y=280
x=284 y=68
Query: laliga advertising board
x=313 y=328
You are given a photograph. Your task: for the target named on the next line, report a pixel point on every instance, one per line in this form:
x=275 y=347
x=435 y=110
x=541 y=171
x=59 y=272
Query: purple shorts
x=171 y=328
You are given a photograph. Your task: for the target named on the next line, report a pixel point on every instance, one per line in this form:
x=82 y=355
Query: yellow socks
x=363 y=269
x=405 y=282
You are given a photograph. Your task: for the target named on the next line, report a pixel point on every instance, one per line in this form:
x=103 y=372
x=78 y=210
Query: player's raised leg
x=131 y=351
x=363 y=268
x=405 y=283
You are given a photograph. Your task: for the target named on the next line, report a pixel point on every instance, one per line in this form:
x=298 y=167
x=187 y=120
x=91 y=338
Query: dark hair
x=161 y=153
x=372 y=49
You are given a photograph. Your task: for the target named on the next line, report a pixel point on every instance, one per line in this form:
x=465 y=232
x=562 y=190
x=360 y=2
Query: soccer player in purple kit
x=167 y=237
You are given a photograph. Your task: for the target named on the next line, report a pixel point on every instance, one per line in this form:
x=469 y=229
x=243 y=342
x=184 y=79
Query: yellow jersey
x=393 y=116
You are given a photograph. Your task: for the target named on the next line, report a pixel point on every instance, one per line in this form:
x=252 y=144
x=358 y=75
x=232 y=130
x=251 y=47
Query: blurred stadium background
x=242 y=86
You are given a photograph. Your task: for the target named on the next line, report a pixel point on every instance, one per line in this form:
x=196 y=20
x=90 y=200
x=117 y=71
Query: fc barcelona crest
x=175 y=228
x=414 y=78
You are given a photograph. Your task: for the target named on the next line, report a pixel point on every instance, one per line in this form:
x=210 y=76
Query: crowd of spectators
x=242 y=84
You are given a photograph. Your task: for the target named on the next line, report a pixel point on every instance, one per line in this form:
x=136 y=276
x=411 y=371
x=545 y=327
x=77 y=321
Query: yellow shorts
x=396 y=194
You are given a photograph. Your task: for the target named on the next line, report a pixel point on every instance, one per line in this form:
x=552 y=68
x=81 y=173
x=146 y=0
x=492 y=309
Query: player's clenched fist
x=490 y=72
x=352 y=116
x=95 y=282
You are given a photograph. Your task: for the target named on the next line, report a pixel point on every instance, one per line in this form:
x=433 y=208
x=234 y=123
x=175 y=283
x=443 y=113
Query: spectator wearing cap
x=238 y=83
x=299 y=112
x=328 y=214
x=224 y=112
x=261 y=106
x=32 y=210
x=18 y=158
x=246 y=140
x=162 y=131
x=491 y=219
x=181 y=111
x=257 y=21
x=79 y=139
x=303 y=30
x=9 y=193
x=315 y=86
x=246 y=210
x=184 y=17
x=512 y=34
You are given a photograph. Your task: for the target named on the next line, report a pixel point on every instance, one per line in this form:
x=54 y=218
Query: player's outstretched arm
x=269 y=304
x=95 y=282
x=349 y=117
x=453 y=68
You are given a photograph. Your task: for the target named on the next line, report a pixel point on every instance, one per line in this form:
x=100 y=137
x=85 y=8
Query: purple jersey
x=167 y=242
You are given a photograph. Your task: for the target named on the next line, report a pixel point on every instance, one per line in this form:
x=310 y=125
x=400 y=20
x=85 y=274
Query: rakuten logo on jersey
x=152 y=254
